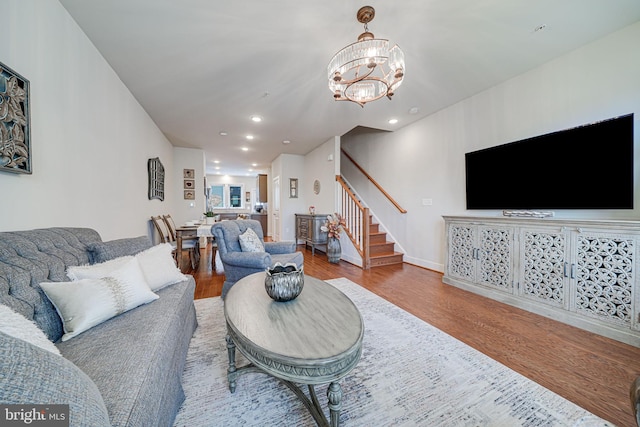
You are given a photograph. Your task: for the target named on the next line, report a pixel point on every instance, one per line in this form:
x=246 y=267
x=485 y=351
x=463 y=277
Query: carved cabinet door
x=605 y=277
x=495 y=257
x=481 y=254
x=461 y=262
x=545 y=265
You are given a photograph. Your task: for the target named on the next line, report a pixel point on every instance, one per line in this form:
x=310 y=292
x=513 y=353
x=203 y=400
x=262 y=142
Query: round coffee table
x=313 y=339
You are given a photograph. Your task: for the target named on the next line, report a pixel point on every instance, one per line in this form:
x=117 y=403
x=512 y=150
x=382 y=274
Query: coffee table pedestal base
x=334 y=392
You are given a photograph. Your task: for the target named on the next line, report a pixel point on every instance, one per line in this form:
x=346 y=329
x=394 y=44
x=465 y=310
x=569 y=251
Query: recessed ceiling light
x=256 y=119
x=245 y=149
x=249 y=137
x=414 y=110
x=540 y=28
x=254 y=164
x=393 y=121
x=217 y=167
x=216 y=161
x=286 y=141
x=223 y=133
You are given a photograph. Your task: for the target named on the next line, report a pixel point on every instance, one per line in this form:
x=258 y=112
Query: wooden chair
x=214 y=247
x=187 y=241
x=166 y=236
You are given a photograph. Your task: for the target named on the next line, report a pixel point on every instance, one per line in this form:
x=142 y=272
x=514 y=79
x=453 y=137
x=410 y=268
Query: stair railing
x=374 y=182
x=357 y=221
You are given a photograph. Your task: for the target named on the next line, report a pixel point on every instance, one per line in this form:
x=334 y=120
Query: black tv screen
x=586 y=167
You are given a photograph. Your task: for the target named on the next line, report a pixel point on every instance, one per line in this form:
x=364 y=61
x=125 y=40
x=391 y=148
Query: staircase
x=369 y=241
x=381 y=251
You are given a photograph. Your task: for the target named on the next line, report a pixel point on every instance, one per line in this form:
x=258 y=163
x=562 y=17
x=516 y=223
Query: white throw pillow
x=159 y=268
x=250 y=242
x=18 y=326
x=97 y=271
x=85 y=303
x=157 y=265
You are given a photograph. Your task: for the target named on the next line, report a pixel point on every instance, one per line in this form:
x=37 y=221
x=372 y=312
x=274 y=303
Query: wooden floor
x=594 y=372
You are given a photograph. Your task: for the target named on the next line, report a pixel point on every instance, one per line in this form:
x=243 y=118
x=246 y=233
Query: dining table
x=190 y=230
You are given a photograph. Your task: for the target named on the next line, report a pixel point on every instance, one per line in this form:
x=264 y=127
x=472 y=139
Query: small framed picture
x=247 y=197
x=189 y=195
x=189 y=184
x=293 y=188
x=188 y=173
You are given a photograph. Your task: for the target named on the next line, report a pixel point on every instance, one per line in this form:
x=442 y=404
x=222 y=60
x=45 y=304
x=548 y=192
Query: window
x=235 y=196
x=227 y=196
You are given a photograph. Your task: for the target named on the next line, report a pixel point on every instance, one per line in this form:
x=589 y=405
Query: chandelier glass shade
x=366 y=70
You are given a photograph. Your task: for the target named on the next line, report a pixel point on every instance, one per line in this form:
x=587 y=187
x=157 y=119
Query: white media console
x=580 y=272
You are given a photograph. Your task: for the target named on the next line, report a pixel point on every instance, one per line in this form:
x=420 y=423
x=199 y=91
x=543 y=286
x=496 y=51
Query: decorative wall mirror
x=156 y=179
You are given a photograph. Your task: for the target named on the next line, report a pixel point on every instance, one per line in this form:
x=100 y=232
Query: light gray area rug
x=410 y=374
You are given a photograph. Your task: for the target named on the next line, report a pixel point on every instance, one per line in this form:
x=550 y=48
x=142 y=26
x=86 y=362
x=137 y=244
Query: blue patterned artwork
x=216 y=196
x=15 y=144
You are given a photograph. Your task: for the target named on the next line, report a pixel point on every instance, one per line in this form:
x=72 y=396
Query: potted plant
x=209 y=217
x=333 y=227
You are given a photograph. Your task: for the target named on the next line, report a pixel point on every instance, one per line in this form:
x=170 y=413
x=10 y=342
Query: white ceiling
x=201 y=67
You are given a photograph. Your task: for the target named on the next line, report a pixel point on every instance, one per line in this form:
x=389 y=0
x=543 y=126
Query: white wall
x=319 y=167
x=288 y=166
x=184 y=209
x=322 y=164
x=90 y=139
x=426 y=159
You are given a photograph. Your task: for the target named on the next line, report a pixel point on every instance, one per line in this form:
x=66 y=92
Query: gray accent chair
x=238 y=264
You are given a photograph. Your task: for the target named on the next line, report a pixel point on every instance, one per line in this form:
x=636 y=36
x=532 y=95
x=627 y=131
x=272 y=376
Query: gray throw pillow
x=37 y=376
x=105 y=251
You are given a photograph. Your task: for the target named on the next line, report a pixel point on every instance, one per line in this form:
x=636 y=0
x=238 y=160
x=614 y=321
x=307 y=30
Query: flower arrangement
x=312 y=210
x=334 y=225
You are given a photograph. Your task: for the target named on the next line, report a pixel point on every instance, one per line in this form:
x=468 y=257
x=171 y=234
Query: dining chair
x=210 y=238
x=168 y=236
x=186 y=240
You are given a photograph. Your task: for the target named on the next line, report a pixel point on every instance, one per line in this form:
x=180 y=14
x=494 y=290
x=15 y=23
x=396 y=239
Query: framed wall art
x=189 y=184
x=156 y=179
x=293 y=188
x=15 y=135
x=189 y=195
x=188 y=173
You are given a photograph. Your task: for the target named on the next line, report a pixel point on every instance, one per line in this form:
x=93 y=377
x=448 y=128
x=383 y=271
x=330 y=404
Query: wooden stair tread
x=387 y=255
x=385 y=260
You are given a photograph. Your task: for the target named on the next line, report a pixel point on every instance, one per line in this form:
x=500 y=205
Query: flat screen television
x=586 y=167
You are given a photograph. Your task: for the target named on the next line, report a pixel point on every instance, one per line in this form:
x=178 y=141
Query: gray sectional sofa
x=123 y=372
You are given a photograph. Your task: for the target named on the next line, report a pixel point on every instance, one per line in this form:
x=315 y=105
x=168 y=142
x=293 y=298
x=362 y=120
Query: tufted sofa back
x=28 y=258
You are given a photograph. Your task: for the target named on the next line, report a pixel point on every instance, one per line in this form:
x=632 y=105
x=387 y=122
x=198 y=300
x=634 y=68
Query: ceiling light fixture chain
x=382 y=68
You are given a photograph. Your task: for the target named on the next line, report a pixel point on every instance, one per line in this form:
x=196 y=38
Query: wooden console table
x=308 y=229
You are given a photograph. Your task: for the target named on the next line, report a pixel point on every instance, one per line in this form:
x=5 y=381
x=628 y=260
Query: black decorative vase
x=334 y=251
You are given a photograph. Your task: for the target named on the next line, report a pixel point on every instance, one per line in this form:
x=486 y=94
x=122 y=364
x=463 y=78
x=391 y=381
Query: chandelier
x=367 y=69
